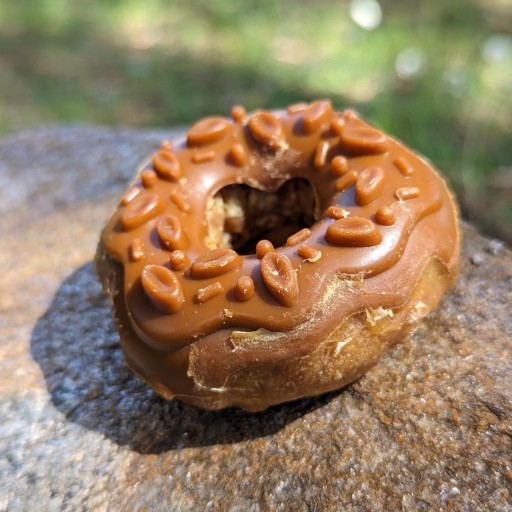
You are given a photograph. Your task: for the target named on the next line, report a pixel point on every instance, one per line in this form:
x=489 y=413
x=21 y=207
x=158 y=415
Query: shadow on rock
x=77 y=346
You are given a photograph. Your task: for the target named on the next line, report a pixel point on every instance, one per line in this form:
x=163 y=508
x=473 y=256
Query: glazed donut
x=275 y=255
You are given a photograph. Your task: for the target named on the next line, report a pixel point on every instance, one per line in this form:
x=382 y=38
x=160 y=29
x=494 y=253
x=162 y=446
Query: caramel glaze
x=382 y=214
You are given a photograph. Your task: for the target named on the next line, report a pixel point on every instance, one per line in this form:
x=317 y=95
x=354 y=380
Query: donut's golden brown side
x=306 y=312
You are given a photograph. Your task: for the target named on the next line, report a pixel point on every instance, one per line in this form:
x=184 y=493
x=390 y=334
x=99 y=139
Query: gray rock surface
x=429 y=428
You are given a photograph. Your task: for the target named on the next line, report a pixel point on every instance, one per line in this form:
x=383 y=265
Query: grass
x=162 y=63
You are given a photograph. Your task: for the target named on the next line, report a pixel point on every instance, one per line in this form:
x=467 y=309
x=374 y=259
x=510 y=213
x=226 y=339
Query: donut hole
x=239 y=216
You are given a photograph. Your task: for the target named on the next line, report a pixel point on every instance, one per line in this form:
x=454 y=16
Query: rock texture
x=429 y=428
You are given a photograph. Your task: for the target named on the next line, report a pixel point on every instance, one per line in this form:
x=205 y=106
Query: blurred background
x=437 y=74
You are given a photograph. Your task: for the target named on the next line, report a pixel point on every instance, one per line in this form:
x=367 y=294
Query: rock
x=429 y=428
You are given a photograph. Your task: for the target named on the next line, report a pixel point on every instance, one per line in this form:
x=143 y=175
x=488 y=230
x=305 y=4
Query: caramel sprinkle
x=349 y=114
x=214 y=263
x=148 y=178
x=353 y=232
x=129 y=196
x=337 y=125
x=162 y=288
x=171 y=233
x=266 y=128
x=238 y=113
x=309 y=253
x=244 y=289
x=167 y=165
x=280 y=279
x=136 y=250
x=208 y=292
x=316 y=115
x=404 y=166
x=406 y=193
x=336 y=212
x=207 y=131
x=322 y=149
x=369 y=185
x=339 y=166
x=140 y=210
x=179 y=260
x=263 y=247
x=385 y=216
x=206 y=155
x=238 y=155
x=345 y=181
x=298 y=237
x=178 y=199
x=364 y=140
x=166 y=144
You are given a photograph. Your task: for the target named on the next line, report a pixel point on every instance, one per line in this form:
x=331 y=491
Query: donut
x=275 y=255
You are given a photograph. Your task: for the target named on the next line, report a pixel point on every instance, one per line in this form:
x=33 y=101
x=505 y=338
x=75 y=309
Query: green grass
x=162 y=63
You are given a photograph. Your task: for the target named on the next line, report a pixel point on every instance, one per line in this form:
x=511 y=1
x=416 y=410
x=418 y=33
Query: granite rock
x=429 y=428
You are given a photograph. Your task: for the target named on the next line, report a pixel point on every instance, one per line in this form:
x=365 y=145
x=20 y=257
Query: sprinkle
x=178 y=199
x=136 y=249
x=148 y=178
x=179 y=260
x=345 y=181
x=406 y=193
x=339 y=166
x=129 y=196
x=322 y=149
x=337 y=212
x=206 y=155
x=238 y=155
x=208 y=292
x=298 y=237
x=263 y=247
x=310 y=254
x=404 y=166
x=244 y=288
x=385 y=216
x=238 y=113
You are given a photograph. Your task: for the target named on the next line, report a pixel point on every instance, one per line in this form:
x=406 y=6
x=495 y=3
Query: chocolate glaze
x=374 y=197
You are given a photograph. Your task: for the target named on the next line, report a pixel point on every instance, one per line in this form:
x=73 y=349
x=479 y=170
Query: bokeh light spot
x=410 y=63
x=366 y=13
